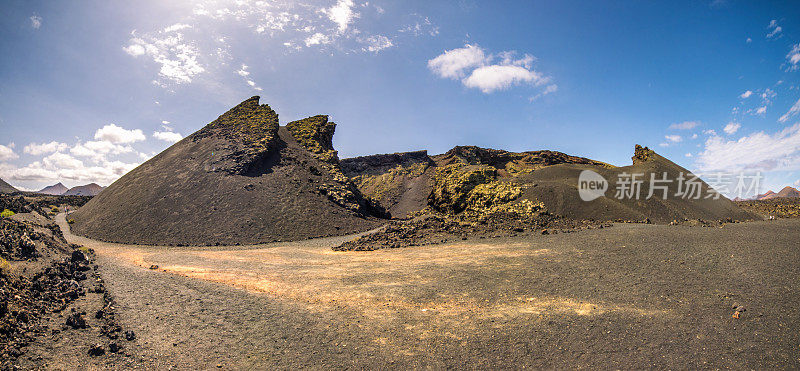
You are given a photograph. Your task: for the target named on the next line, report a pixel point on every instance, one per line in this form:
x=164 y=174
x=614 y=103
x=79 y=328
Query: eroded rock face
x=315 y=133
x=510 y=163
x=252 y=132
x=642 y=154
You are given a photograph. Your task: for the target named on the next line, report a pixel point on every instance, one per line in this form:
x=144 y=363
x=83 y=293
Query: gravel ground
x=631 y=296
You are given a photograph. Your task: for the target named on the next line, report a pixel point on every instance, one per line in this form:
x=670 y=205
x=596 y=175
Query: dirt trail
x=631 y=296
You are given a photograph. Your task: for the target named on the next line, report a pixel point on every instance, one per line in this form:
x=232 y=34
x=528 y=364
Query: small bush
x=6 y=213
x=84 y=249
x=4 y=265
x=71 y=221
x=54 y=209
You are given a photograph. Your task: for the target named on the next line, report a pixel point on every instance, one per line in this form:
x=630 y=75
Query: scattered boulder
x=129 y=335
x=97 y=350
x=76 y=320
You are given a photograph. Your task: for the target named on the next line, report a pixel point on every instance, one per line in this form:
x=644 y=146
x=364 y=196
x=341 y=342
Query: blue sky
x=91 y=89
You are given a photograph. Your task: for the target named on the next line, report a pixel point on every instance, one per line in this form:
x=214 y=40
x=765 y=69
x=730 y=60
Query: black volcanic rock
x=240 y=179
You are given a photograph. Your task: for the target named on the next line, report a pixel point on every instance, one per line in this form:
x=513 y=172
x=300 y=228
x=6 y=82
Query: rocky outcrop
x=642 y=154
x=509 y=163
x=315 y=133
x=401 y=182
x=241 y=179
x=250 y=131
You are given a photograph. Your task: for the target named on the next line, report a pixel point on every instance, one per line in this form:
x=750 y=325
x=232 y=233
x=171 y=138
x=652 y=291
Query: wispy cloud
x=686 y=125
x=793 y=58
x=36 y=22
x=177 y=58
x=732 y=128
x=792 y=111
x=775 y=30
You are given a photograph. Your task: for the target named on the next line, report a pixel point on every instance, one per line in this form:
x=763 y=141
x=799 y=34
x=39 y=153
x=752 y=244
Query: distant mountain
x=6 y=188
x=55 y=190
x=786 y=192
x=91 y=189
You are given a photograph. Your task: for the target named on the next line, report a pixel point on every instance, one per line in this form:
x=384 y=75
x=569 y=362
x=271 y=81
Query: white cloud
x=98 y=150
x=500 y=77
x=61 y=167
x=709 y=132
x=793 y=58
x=342 y=14
x=792 y=111
x=167 y=136
x=176 y=27
x=688 y=154
x=61 y=160
x=317 y=39
x=775 y=29
x=732 y=127
x=376 y=43
x=40 y=149
x=452 y=63
x=487 y=77
x=761 y=110
x=36 y=21
x=134 y=49
x=673 y=138
x=243 y=71
x=746 y=94
x=686 y=125
x=7 y=153
x=758 y=151
x=694 y=136
x=749 y=40
x=114 y=134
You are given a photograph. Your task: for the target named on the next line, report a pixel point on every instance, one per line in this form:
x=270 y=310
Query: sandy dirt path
x=631 y=296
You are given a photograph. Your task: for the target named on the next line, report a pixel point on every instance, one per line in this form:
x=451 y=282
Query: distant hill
x=57 y=189
x=786 y=192
x=91 y=189
x=6 y=188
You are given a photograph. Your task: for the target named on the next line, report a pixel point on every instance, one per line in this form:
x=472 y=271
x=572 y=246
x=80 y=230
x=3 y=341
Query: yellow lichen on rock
x=452 y=184
x=377 y=186
x=315 y=133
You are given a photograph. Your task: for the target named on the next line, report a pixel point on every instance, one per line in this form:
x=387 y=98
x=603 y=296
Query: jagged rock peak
x=315 y=133
x=642 y=154
x=248 y=123
x=251 y=131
